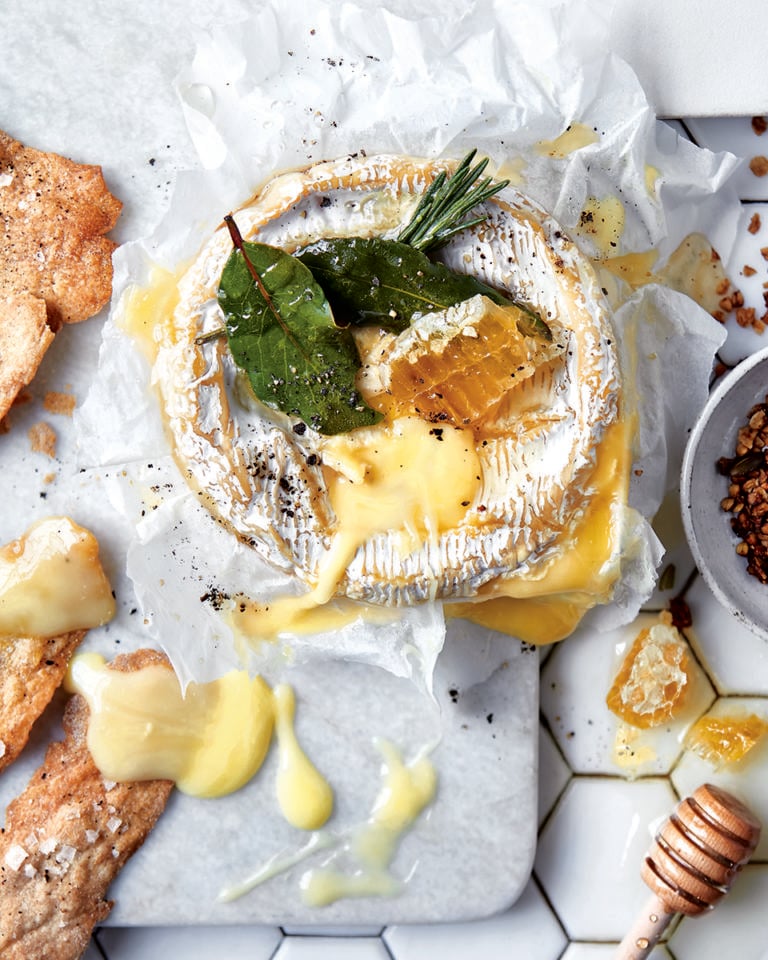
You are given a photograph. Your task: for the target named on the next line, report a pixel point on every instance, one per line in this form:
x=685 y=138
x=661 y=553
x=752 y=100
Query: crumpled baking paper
x=295 y=83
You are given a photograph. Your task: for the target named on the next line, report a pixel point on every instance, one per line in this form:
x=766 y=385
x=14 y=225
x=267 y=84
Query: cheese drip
x=407 y=476
x=406 y=791
x=51 y=581
x=548 y=607
x=210 y=739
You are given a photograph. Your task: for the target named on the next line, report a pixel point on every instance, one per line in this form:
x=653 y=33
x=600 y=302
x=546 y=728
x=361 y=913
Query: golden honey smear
x=651 y=685
x=721 y=740
x=454 y=367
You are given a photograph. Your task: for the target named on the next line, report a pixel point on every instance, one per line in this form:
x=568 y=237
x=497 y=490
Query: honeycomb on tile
x=727 y=739
x=653 y=680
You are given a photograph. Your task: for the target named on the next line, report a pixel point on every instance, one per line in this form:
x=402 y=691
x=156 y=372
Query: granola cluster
x=747 y=499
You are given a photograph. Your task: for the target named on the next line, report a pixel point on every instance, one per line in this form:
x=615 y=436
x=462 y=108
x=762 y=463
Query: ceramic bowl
x=702 y=487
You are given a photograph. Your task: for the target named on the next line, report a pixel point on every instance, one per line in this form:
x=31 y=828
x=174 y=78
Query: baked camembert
x=493 y=472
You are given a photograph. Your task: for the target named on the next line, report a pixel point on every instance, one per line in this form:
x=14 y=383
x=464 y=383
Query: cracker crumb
x=63 y=403
x=42 y=438
x=754 y=223
x=759 y=125
x=759 y=165
x=764 y=253
x=748 y=271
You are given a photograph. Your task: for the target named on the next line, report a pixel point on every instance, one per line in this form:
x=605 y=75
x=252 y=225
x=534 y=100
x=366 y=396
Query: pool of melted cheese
x=517 y=529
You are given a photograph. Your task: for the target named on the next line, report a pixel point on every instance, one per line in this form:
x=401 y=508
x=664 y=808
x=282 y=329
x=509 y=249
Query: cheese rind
x=266 y=481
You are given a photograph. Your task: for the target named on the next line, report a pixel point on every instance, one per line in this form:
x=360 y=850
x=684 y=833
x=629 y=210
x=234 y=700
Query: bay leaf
x=373 y=280
x=282 y=333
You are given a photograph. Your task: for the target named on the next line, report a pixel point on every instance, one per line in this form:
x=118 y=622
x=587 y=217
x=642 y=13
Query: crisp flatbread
x=66 y=838
x=55 y=260
x=31 y=670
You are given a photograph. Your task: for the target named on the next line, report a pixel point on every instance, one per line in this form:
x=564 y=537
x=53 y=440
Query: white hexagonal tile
x=528 y=929
x=332 y=948
x=591 y=849
x=736 y=135
x=734 y=657
x=574 y=685
x=747 y=779
x=735 y=928
x=554 y=773
x=192 y=943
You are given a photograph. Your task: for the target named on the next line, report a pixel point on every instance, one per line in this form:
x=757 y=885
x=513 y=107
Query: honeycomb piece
x=452 y=367
x=721 y=740
x=651 y=684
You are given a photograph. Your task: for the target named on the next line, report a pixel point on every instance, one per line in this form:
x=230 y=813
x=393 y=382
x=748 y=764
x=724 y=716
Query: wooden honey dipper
x=696 y=855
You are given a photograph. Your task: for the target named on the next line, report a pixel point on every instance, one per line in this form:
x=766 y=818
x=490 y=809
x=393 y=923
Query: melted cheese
x=635 y=269
x=603 y=220
x=210 y=739
x=388 y=477
x=410 y=477
x=146 y=311
x=303 y=794
x=51 y=581
x=547 y=607
x=406 y=791
x=575 y=137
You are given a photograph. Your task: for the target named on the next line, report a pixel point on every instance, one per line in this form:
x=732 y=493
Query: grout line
x=95 y=941
x=278 y=945
x=688 y=132
x=545 y=897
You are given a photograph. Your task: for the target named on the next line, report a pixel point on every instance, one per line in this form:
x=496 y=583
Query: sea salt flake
x=15 y=856
x=48 y=845
x=66 y=854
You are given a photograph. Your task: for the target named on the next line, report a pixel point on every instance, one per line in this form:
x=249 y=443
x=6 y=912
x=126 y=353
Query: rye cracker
x=55 y=257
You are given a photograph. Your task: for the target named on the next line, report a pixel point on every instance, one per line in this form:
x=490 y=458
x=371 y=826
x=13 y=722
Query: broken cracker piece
x=52 y=588
x=55 y=260
x=42 y=438
x=24 y=338
x=31 y=670
x=66 y=838
x=58 y=402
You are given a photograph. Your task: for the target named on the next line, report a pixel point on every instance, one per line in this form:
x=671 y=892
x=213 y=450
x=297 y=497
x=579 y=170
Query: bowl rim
x=717 y=395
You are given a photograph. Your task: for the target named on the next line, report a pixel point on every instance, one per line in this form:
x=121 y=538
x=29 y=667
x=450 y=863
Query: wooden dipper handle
x=693 y=860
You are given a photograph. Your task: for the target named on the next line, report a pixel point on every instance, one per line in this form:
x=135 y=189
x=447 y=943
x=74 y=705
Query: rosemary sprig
x=446 y=201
